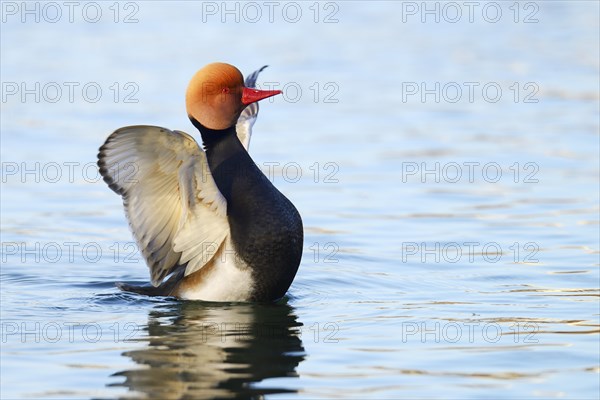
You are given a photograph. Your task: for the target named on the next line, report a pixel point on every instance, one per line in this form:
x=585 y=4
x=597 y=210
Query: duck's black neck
x=225 y=155
x=211 y=137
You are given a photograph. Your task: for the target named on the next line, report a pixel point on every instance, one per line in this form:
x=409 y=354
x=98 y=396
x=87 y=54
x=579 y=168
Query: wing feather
x=248 y=117
x=175 y=210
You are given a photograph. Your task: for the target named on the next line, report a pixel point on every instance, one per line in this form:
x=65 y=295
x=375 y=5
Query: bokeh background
x=444 y=157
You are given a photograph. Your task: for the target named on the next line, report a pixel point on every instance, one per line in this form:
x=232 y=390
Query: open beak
x=250 y=96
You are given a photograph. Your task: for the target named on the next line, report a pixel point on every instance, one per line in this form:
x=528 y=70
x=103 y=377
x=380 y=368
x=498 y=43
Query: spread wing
x=250 y=113
x=175 y=210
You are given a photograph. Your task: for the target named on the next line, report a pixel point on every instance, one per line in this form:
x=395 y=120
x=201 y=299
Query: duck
x=208 y=222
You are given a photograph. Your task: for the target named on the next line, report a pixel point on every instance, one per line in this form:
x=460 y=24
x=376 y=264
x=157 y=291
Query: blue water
x=446 y=171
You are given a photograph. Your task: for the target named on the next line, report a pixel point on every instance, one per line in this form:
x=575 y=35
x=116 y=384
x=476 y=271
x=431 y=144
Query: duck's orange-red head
x=216 y=96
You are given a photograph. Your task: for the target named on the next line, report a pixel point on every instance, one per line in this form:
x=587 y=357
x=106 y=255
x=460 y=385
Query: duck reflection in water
x=207 y=350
